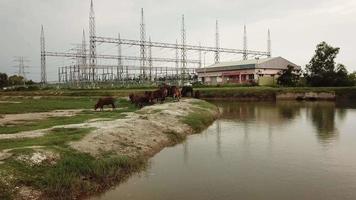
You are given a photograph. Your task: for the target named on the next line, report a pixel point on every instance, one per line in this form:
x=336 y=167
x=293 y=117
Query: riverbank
x=76 y=160
x=274 y=93
x=207 y=92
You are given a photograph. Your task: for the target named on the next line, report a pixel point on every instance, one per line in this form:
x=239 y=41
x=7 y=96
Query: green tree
x=322 y=69
x=289 y=77
x=342 y=76
x=16 y=80
x=3 y=80
x=352 y=78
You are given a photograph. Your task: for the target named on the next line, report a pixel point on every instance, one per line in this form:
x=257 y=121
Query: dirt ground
x=28 y=117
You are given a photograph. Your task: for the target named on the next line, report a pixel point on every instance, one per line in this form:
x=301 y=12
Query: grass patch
x=80 y=118
x=55 y=137
x=175 y=137
x=269 y=93
x=201 y=117
x=45 y=104
x=76 y=174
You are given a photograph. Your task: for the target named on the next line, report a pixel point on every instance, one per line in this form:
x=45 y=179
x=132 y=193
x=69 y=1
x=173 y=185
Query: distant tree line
x=13 y=80
x=322 y=71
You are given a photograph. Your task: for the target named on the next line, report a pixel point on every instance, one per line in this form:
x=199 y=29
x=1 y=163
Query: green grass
x=75 y=173
x=55 y=137
x=45 y=104
x=175 y=138
x=201 y=117
x=122 y=92
x=80 y=118
x=269 y=93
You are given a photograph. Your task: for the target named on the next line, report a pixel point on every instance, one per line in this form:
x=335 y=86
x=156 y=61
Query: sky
x=296 y=28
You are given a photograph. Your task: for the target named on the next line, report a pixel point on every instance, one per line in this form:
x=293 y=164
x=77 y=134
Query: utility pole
x=120 y=69
x=183 y=50
x=150 y=58
x=92 y=44
x=142 y=46
x=245 y=44
x=217 y=45
x=269 y=48
x=21 y=66
x=200 y=64
x=84 y=55
x=43 y=58
x=177 y=59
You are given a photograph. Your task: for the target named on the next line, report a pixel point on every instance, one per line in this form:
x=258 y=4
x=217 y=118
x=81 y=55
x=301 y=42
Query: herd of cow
x=151 y=97
x=160 y=95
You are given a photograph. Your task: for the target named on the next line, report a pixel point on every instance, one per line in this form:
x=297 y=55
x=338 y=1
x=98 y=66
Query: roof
x=270 y=63
x=240 y=62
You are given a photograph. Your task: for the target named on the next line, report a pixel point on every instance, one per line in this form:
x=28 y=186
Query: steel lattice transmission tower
x=217 y=45
x=245 y=44
x=119 y=59
x=177 y=58
x=200 y=56
x=43 y=58
x=269 y=48
x=84 y=51
x=21 y=66
x=142 y=46
x=92 y=44
x=150 y=58
x=183 y=50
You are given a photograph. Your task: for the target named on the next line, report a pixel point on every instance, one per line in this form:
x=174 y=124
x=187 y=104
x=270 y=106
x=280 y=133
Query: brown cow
x=149 y=95
x=139 y=100
x=105 y=101
x=176 y=93
x=160 y=94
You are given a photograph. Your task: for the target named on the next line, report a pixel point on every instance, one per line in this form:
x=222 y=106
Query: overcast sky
x=296 y=27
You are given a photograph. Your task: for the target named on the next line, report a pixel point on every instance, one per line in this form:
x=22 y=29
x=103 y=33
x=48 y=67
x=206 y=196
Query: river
x=274 y=150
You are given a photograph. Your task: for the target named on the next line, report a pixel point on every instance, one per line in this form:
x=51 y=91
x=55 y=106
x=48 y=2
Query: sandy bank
x=144 y=132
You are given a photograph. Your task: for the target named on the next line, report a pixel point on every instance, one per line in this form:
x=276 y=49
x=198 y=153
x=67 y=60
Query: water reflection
x=322 y=115
x=278 y=143
x=218 y=138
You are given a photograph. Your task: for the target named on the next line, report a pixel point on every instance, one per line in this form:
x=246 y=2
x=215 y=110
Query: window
x=251 y=77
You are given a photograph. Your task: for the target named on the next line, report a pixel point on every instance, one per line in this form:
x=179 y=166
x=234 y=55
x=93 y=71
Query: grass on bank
x=75 y=173
x=26 y=105
x=201 y=117
x=79 y=118
x=263 y=93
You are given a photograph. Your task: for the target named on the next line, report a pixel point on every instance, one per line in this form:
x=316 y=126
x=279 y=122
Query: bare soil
x=29 y=117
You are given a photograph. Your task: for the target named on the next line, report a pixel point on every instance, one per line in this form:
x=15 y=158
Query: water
x=283 y=150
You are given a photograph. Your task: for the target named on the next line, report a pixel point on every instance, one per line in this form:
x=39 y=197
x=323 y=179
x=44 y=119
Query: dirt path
x=28 y=117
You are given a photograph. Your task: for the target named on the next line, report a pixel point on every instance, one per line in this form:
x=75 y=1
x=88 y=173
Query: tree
x=352 y=78
x=342 y=77
x=3 y=80
x=16 y=80
x=289 y=77
x=322 y=70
